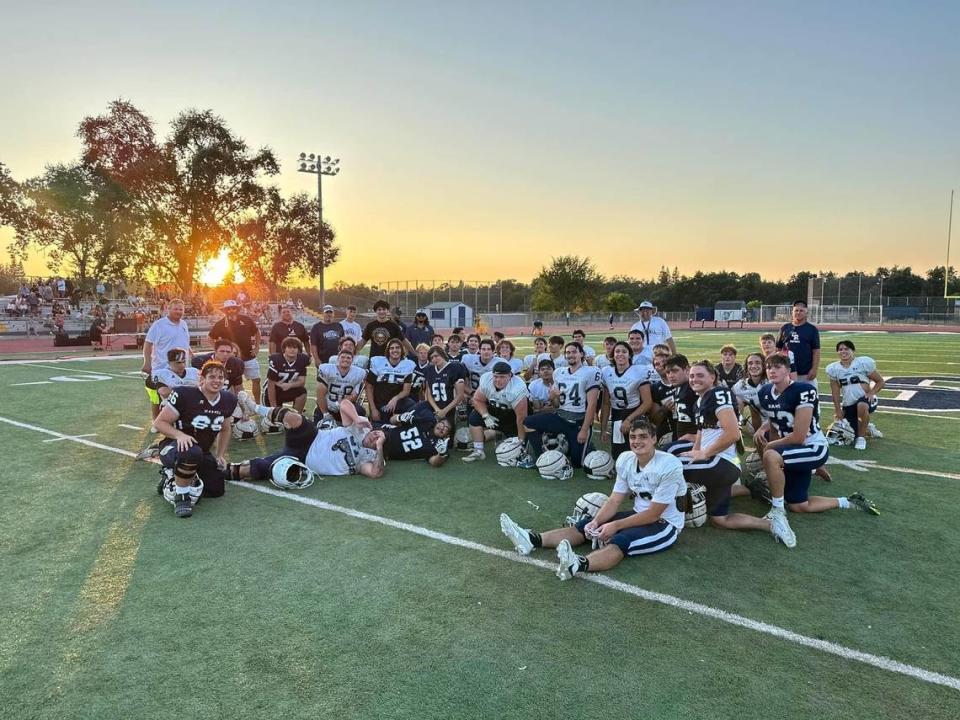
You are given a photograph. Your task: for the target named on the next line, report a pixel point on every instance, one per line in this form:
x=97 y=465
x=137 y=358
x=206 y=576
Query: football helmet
x=695 y=507
x=665 y=440
x=587 y=505
x=245 y=430
x=462 y=439
x=556 y=442
x=288 y=473
x=554 y=465
x=168 y=487
x=599 y=465
x=752 y=464
x=509 y=451
x=840 y=433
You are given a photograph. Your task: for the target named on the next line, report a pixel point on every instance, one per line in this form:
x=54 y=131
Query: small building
x=727 y=310
x=448 y=315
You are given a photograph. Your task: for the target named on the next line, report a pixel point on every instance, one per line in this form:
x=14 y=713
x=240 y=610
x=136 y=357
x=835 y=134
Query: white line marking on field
x=70 y=437
x=925 y=383
x=878 y=661
x=38 y=382
x=129 y=427
x=904 y=395
x=70 y=360
x=87 y=372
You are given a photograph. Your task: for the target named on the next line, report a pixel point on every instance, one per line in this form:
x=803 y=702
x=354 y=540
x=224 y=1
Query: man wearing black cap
x=654 y=328
x=325 y=337
x=500 y=403
x=245 y=334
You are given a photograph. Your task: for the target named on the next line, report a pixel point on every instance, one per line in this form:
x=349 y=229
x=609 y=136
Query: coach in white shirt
x=654 y=328
x=168 y=332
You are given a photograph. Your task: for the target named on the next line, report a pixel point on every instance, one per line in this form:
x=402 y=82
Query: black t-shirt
x=241 y=331
x=325 y=337
x=234 y=367
x=281 y=331
x=378 y=333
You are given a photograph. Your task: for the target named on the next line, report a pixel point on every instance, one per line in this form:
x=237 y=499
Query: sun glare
x=216 y=270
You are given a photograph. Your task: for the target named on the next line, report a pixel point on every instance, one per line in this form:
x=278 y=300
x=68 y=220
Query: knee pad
x=278 y=413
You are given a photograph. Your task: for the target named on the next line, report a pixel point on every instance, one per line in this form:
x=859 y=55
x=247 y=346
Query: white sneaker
x=569 y=562
x=516 y=534
x=475 y=456
x=247 y=402
x=873 y=432
x=860 y=444
x=780 y=528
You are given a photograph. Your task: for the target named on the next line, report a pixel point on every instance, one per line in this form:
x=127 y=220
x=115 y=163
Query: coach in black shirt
x=287 y=327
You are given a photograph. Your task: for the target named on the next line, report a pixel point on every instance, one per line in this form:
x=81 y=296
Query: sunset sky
x=479 y=139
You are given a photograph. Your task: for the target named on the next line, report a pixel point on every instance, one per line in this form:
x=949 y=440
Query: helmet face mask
x=587 y=506
x=288 y=473
x=245 y=430
x=840 y=433
x=509 y=452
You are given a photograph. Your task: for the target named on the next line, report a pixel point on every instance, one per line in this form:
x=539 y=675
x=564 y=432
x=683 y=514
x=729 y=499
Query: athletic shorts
x=151 y=384
x=296 y=443
x=850 y=411
x=799 y=462
x=283 y=396
x=642 y=539
x=251 y=369
x=717 y=475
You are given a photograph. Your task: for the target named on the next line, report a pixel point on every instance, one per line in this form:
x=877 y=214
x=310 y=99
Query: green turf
x=262 y=607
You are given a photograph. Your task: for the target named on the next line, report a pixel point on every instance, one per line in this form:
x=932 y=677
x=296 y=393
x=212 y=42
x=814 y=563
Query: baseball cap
x=229 y=304
x=328 y=308
x=502 y=368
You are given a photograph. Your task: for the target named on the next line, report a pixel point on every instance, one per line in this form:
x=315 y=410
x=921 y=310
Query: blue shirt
x=801 y=340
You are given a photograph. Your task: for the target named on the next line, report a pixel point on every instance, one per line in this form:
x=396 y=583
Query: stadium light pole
x=319 y=165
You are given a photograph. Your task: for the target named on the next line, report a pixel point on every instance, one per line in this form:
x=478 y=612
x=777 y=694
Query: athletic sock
x=535 y=538
x=262 y=410
x=478 y=446
x=843 y=503
x=777 y=502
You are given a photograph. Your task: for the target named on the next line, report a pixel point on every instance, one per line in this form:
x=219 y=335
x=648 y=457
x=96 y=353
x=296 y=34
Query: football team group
x=672 y=431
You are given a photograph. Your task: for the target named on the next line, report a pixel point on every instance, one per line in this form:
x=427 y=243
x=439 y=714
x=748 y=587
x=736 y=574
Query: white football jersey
x=660 y=480
x=574 y=386
x=539 y=391
x=853 y=378
x=512 y=395
x=339 y=451
x=602 y=361
x=476 y=369
x=746 y=393
x=558 y=362
x=624 y=390
x=340 y=386
x=530 y=361
x=168 y=377
x=516 y=364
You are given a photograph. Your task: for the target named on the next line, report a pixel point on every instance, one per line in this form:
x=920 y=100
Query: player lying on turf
x=654 y=524
x=417 y=435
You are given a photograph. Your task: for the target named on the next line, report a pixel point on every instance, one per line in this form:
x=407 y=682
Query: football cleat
x=568 y=561
x=516 y=534
x=860 y=444
x=183 y=505
x=780 y=528
x=475 y=456
x=861 y=503
x=246 y=402
x=526 y=462
x=873 y=432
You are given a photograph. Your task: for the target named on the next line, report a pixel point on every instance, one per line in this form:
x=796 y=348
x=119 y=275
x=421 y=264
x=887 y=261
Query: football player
x=420 y=365
x=505 y=352
x=339 y=383
x=590 y=354
x=287 y=376
x=479 y=363
x=417 y=435
x=653 y=479
x=500 y=403
x=531 y=362
x=541 y=400
x=554 y=352
x=455 y=349
x=353 y=449
x=196 y=422
x=225 y=353
x=746 y=391
x=444 y=383
x=576 y=388
x=473 y=344
x=729 y=371
x=389 y=382
x=682 y=405
x=854 y=385
x=626 y=393
x=793 y=445
x=642 y=353
x=606 y=360
x=176 y=373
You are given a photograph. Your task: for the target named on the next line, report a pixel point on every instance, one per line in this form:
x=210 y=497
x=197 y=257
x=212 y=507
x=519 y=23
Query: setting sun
x=216 y=269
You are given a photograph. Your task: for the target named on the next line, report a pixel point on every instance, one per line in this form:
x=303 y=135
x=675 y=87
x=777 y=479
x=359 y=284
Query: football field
x=400 y=598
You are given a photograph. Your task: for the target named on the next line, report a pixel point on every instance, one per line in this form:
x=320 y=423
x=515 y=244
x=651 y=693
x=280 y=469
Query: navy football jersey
x=418 y=372
x=234 y=367
x=708 y=405
x=415 y=442
x=280 y=370
x=199 y=417
x=782 y=409
x=442 y=383
x=729 y=378
x=684 y=410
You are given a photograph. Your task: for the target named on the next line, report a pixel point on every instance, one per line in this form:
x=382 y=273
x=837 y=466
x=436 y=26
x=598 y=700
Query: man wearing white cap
x=243 y=331
x=654 y=328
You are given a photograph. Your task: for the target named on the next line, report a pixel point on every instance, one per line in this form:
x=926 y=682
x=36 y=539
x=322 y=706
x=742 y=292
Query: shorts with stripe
x=251 y=369
x=678 y=446
x=641 y=539
x=717 y=475
x=799 y=461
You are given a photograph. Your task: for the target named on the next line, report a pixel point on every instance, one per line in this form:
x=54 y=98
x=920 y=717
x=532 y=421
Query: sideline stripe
x=878 y=661
x=73 y=359
x=88 y=372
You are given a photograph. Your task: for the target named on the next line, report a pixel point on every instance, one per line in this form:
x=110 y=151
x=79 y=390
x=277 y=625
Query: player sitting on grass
x=354 y=449
x=655 y=479
x=793 y=446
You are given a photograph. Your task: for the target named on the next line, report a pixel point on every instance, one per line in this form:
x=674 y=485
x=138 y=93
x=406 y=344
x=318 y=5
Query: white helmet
x=463 y=440
x=695 y=510
x=552 y=441
x=587 y=505
x=288 y=473
x=753 y=464
x=665 y=440
x=599 y=465
x=270 y=427
x=554 y=465
x=509 y=451
x=245 y=430
x=170 y=489
x=840 y=433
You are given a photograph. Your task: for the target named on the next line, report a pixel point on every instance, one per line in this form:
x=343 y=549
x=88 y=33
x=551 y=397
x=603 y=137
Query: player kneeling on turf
x=654 y=524
x=196 y=422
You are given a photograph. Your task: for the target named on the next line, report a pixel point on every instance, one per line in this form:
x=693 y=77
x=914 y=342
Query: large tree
x=192 y=190
x=569 y=282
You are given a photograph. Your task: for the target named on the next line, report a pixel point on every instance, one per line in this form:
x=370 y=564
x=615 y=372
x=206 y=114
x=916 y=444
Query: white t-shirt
x=539 y=390
x=655 y=332
x=166 y=335
x=660 y=480
x=852 y=378
x=339 y=451
x=352 y=330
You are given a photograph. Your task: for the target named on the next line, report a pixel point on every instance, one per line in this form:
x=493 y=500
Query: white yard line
x=878 y=661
